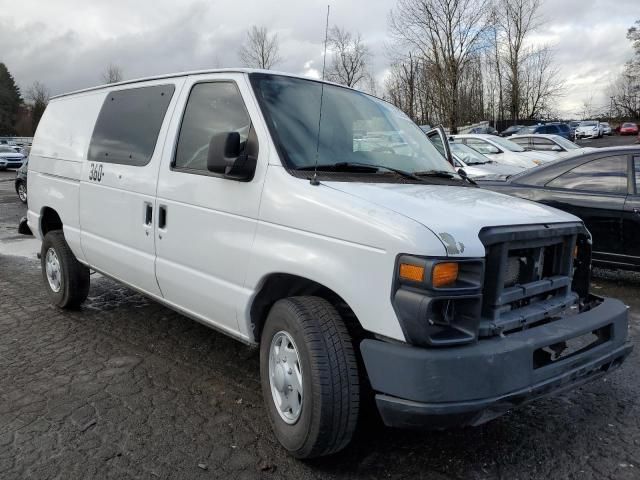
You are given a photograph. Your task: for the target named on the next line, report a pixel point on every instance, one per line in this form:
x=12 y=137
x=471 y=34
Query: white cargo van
x=321 y=224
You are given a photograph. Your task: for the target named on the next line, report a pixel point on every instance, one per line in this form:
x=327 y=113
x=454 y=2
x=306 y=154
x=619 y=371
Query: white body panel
x=223 y=238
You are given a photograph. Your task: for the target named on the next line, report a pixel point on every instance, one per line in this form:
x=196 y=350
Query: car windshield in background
x=7 y=150
x=467 y=154
x=507 y=144
x=628 y=124
x=355 y=127
x=588 y=124
x=527 y=130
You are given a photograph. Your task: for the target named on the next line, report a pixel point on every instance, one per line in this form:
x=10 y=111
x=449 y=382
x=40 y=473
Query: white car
x=476 y=165
x=503 y=151
x=550 y=144
x=606 y=128
x=220 y=195
x=589 y=129
x=10 y=158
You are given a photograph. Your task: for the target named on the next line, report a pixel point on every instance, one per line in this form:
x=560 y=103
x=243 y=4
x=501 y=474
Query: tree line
x=452 y=62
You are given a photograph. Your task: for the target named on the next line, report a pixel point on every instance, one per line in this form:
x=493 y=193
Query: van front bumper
x=437 y=388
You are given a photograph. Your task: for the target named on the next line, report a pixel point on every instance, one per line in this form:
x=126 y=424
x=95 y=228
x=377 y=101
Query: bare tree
x=517 y=18
x=446 y=34
x=350 y=55
x=260 y=49
x=112 y=74
x=540 y=83
x=38 y=96
x=624 y=91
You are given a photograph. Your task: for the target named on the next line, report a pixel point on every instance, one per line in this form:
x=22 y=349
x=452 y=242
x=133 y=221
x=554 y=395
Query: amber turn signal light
x=444 y=274
x=415 y=273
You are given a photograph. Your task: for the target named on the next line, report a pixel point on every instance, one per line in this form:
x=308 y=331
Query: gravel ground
x=125 y=388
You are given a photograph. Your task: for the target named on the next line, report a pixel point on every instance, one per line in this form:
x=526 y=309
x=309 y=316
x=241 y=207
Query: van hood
x=454 y=214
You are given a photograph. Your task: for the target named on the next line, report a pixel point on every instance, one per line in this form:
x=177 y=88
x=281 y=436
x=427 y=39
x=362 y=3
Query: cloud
x=67 y=44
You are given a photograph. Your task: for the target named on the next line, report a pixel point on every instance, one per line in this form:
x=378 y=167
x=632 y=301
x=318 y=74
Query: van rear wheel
x=309 y=377
x=65 y=278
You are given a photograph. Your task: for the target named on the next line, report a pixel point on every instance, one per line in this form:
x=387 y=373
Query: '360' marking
x=95 y=173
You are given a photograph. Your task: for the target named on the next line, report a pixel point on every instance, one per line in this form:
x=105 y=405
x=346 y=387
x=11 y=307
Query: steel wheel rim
x=22 y=192
x=53 y=270
x=285 y=377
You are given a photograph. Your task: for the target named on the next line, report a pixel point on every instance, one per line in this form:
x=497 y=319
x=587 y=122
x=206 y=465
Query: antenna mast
x=314 y=179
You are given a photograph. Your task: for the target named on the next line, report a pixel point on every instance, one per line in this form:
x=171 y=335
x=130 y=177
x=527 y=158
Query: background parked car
x=572 y=128
x=484 y=130
x=600 y=187
x=476 y=165
x=554 y=144
x=589 y=129
x=503 y=150
x=512 y=130
x=21 y=182
x=561 y=129
x=628 y=128
x=9 y=158
x=606 y=128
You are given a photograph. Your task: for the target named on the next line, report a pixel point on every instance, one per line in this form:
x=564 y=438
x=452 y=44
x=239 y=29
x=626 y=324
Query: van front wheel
x=309 y=377
x=66 y=279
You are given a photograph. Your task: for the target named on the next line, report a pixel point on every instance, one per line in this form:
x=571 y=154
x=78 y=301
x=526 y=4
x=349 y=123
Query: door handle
x=162 y=217
x=148 y=214
x=636 y=211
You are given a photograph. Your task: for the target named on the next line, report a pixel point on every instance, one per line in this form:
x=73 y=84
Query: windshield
x=507 y=144
x=564 y=143
x=467 y=154
x=7 y=150
x=355 y=127
x=588 y=124
x=526 y=130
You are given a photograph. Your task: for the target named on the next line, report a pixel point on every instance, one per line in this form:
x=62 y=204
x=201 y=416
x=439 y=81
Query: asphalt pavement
x=125 y=388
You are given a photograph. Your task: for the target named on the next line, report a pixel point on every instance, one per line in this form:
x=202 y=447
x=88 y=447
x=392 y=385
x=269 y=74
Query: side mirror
x=491 y=149
x=225 y=157
x=556 y=148
x=462 y=173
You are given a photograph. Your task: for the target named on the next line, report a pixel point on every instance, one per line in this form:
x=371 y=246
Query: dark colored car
x=484 y=130
x=601 y=187
x=21 y=182
x=561 y=129
x=512 y=130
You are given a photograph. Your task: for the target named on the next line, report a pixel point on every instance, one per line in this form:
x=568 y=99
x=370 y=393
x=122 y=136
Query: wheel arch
x=276 y=286
x=49 y=220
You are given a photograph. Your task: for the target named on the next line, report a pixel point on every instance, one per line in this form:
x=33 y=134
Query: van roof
x=188 y=73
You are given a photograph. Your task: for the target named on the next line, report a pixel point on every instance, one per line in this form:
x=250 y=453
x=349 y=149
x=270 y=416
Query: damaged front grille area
x=528 y=276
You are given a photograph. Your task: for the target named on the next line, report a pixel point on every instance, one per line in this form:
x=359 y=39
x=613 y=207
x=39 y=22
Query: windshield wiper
x=435 y=173
x=345 y=166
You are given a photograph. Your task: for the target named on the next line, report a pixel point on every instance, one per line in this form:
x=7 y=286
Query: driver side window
x=215 y=107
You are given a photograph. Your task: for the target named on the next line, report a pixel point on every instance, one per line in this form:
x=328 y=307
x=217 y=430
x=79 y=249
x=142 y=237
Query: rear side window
x=128 y=125
x=523 y=142
x=605 y=175
x=215 y=107
x=543 y=144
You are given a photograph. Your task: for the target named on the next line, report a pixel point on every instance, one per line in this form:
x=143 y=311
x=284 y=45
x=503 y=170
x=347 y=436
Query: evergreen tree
x=10 y=101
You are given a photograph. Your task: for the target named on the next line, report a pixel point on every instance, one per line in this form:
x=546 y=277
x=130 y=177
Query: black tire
x=22 y=198
x=331 y=400
x=74 y=277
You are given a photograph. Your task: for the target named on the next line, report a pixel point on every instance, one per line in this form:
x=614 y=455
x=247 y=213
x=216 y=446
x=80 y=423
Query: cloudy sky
x=67 y=44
